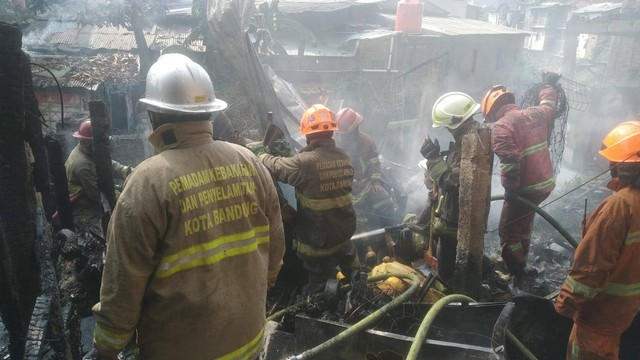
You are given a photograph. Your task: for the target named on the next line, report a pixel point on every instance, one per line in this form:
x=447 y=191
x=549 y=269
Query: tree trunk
x=143 y=49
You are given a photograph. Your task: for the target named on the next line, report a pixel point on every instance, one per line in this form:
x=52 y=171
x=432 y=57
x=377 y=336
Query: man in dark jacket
x=520 y=140
x=322 y=176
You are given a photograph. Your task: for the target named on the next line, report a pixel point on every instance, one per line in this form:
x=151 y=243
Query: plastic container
x=409 y=16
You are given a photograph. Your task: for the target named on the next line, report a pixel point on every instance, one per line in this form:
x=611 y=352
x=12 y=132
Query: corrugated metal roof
x=463 y=26
x=597 y=8
x=300 y=6
x=72 y=37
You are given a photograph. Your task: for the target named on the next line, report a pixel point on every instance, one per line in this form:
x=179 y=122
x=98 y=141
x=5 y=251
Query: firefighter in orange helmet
x=519 y=138
x=368 y=193
x=82 y=179
x=601 y=292
x=325 y=219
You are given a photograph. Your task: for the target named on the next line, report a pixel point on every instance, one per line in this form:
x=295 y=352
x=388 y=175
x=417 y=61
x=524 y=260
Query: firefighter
x=601 y=293
x=520 y=140
x=369 y=195
x=454 y=111
x=196 y=238
x=82 y=180
x=325 y=219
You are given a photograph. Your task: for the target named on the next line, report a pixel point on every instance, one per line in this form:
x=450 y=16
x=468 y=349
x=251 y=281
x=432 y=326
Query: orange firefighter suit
x=602 y=291
x=325 y=220
x=193 y=243
x=520 y=140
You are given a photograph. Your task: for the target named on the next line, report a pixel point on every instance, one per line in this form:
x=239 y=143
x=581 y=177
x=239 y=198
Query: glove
x=281 y=148
x=257 y=148
x=550 y=78
x=430 y=149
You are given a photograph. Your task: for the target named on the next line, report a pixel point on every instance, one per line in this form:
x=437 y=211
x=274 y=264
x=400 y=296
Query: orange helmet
x=84 y=131
x=622 y=144
x=497 y=95
x=348 y=119
x=318 y=118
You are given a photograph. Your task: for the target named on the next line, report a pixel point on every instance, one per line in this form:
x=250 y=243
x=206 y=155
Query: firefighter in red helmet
x=82 y=180
x=369 y=194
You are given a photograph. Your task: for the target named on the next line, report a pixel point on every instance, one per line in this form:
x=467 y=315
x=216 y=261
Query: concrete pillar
x=475 y=192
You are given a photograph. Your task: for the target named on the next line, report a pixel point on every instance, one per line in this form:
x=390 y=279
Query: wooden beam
x=475 y=193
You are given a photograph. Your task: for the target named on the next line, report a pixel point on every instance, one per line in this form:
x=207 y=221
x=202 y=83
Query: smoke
x=41 y=37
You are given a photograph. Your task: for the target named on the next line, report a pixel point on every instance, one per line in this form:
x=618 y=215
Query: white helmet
x=178 y=85
x=452 y=109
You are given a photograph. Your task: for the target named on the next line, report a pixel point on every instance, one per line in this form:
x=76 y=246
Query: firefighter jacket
x=322 y=176
x=83 y=181
x=520 y=140
x=365 y=161
x=192 y=243
x=445 y=172
x=602 y=292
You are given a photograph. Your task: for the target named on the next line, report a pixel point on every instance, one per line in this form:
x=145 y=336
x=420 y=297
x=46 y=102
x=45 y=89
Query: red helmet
x=84 y=131
x=348 y=119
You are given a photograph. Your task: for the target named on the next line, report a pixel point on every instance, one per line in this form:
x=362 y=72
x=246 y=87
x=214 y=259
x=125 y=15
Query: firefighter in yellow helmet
x=601 y=292
x=322 y=176
x=82 y=179
x=196 y=238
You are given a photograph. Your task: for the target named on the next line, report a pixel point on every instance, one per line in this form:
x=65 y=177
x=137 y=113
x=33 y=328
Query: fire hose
x=425 y=325
x=366 y=322
x=545 y=215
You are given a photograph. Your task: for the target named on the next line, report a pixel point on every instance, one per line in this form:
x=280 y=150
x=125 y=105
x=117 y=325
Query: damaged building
x=387 y=60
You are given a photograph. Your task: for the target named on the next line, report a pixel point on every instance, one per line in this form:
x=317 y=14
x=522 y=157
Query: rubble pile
x=90 y=71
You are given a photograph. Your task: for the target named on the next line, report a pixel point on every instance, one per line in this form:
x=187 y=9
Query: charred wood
x=33 y=135
x=47 y=328
x=100 y=127
x=19 y=278
x=59 y=177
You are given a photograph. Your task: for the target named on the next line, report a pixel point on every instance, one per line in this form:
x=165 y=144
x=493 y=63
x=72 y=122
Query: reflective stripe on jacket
x=323 y=176
x=192 y=242
x=445 y=171
x=520 y=140
x=602 y=291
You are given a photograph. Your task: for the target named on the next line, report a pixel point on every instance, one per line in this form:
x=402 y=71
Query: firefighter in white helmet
x=196 y=238
x=453 y=110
